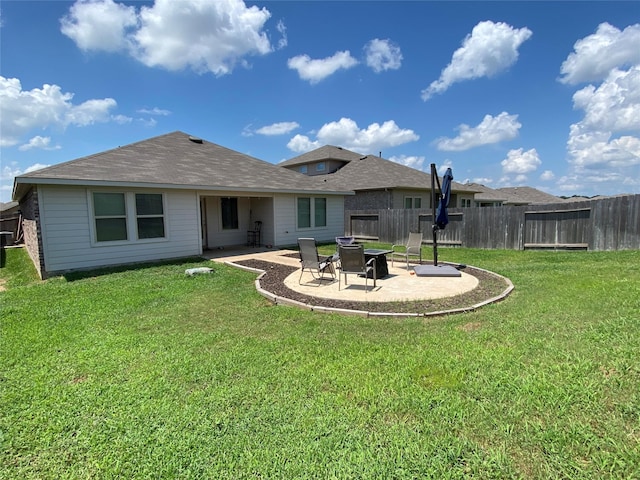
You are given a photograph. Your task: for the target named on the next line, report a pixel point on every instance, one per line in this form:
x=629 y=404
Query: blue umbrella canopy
x=442 y=218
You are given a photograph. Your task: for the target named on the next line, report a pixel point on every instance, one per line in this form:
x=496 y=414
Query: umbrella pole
x=434 y=227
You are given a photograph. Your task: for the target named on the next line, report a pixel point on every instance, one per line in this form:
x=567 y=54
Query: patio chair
x=316 y=264
x=253 y=236
x=342 y=241
x=413 y=248
x=352 y=261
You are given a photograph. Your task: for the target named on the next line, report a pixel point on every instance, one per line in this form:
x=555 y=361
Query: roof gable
x=368 y=172
x=328 y=152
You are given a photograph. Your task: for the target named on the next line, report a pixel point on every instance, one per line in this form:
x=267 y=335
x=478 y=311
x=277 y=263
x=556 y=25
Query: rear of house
x=168 y=197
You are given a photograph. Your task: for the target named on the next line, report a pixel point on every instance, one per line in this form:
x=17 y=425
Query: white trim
x=312 y=212
x=165 y=186
x=131 y=219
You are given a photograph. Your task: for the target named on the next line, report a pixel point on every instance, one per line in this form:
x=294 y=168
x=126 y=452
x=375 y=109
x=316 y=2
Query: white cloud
x=121 y=119
x=598 y=150
x=614 y=106
x=520 y=162
x=383 y=55
x=99 y=25
x=491 y=130
x=42 y=143
x=603 y=145
x=280 y=128
x=154 y=111
x=490 y=49
x=596 y=55
x=48 y=107
x=442 y=169
x=413 y=161
x=547 y=175
x=282 y=29
x=206 y=36
x=302 y=143
x=9 y=172
x=347 y=134
x=480 y=180
x=317 y=70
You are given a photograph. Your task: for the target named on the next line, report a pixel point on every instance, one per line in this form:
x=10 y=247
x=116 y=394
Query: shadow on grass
x=3 y=258
x=98 y=272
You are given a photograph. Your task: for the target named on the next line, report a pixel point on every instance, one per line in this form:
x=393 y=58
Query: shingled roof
x=174 y=160
x=486 y=194
x=328 y=152
x=373 y=173
x=527 y=196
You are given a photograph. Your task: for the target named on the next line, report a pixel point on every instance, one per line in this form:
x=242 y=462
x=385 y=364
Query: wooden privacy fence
x=611 y=223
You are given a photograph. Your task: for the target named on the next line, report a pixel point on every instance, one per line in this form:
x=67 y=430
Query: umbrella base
x=436 y=271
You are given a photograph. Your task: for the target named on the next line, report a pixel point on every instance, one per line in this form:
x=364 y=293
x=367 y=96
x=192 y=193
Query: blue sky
x=544 y=94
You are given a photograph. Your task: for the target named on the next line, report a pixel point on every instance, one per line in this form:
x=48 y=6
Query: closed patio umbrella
x=442 y=218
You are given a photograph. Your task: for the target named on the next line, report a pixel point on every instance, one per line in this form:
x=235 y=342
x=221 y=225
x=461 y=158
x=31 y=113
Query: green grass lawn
x=148 y=373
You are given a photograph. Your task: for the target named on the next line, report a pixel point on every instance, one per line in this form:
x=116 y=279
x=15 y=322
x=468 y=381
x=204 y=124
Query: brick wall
x=32 y=232
x=373 y=200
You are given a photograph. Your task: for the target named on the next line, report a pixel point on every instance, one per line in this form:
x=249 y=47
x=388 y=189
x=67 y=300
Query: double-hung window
x=150 y=215
x=110 y=213
x=412 y=202
x=128 y=216
x=312 y=212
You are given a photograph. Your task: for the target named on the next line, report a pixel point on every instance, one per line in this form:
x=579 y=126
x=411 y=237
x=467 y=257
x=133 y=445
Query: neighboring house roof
x=367 y=172
x=4 y=207
x=174 y=160
x=486 y=194
x=527 y=196
x=328 y=152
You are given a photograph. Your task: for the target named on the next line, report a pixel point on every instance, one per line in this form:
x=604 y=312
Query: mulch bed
x=489 y=286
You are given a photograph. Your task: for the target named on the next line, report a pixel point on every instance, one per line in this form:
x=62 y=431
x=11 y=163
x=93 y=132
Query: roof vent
x=195 y=139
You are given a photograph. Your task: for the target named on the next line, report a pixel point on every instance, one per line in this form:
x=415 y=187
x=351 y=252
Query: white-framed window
x=150 y=215
x=466 y=202
x=110 y=216
x=303 y=169
x=320 y=167
x=121 y=217
x=320 y=212
x=311 y=212
x=412 y=202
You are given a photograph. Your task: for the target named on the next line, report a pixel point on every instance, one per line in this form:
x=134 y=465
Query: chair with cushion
x=310 y=260
x=413 y=248
x=352 y=261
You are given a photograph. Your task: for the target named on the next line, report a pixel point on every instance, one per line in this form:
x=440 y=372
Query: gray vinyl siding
x=66 y=228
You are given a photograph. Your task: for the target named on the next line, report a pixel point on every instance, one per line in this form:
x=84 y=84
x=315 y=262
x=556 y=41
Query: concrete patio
x=401 y=284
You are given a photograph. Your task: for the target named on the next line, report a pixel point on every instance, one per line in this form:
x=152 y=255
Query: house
x=170 y=196
x=9 y=220
x=378 y=183
x=527 y=196
x=487 y=197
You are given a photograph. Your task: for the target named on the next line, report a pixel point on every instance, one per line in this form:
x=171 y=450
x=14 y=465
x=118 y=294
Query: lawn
x=149 y=373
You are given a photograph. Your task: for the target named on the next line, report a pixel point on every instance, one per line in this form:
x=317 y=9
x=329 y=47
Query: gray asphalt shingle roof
x=527 y=196
x=173 y=160
x=328 y=152
x=487 y=194
x=374 y=173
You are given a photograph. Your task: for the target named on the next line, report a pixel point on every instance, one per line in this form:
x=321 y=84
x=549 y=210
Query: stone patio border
x=278 y=300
